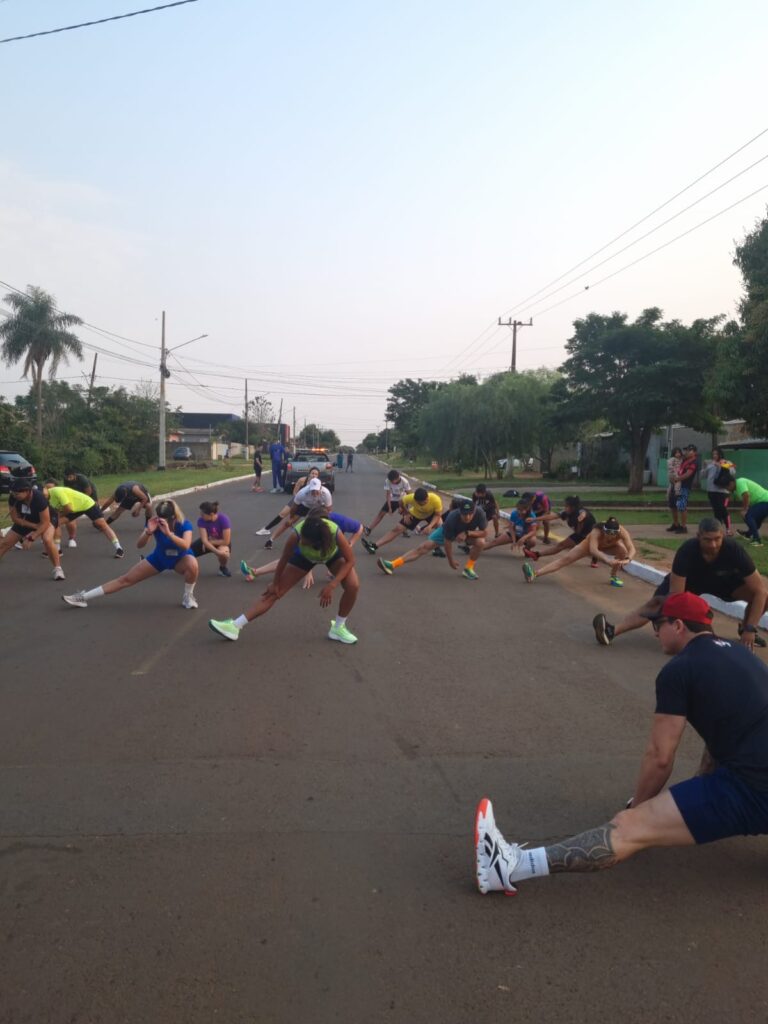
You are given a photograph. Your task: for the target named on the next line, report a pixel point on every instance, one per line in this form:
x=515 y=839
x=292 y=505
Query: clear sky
x=342 y=194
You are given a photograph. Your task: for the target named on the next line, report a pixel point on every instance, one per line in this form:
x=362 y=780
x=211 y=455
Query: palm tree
x=37 y=333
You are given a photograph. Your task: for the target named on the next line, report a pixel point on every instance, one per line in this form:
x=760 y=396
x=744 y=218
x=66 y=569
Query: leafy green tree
x=407 y=398
x=313 y=436
x=639 y=376
x=40 y=335
x=370 y=443
x=743 y=362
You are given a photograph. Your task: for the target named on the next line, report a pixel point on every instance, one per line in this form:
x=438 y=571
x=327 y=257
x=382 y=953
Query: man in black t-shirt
x=31 y=519
x=131 y=496
x=467 y=521
x=723 y=692
x=710 y=563
x=579 y=520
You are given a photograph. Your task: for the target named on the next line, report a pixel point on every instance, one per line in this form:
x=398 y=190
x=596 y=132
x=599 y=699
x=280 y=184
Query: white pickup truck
x=302 y=461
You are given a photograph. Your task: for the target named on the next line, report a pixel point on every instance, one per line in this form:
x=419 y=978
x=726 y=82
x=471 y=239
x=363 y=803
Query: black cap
x=21 y=484
x=466 y=506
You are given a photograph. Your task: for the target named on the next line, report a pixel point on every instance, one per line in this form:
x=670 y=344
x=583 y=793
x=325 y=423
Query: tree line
x=631 y=378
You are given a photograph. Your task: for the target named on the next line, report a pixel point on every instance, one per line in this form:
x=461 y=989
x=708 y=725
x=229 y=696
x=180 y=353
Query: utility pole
x=163 y=374
x=293 y=436
x=514 y=324
x=246 y=419
x=93 y=378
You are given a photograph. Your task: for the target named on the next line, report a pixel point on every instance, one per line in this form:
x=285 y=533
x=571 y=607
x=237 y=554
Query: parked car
x=13 y=464
x=182 y=454
x=302 y=461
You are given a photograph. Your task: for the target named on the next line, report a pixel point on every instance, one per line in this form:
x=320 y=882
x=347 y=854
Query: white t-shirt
x=397 y=490
x=318 y=498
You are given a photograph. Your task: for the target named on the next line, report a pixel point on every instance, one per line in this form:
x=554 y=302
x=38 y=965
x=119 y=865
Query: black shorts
x=575 y=539
x=395 y=507
x=410 y=523
x=93 y=513
x=197 y=549
x=23 y=531
x=257 y=470
x=298 y=510
x=300 y=562
x=130 y=499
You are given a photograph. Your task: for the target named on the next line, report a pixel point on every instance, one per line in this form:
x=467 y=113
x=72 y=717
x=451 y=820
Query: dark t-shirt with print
x=722 y=689
x=454 y=524
x=720 y=577
x=30 y=508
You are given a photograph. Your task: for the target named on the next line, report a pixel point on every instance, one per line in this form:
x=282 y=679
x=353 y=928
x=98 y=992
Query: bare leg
x=376 y=520
x=51 y=548
x=563 y=545
x=351 y=587
x=640 y=618
x=101 y=524
x=136 y=574
x=580 y=551
x=422 y=549
x=396 y=531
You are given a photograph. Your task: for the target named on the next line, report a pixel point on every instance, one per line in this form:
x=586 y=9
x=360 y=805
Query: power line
x=101 y=21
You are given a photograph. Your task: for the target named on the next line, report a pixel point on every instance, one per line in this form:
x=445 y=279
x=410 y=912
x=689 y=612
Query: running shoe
x=385 y=566
x=533 y=555
x=341 y=633
x=263 y=532
x=466 y=548
x=604 y=631
x=439 y=553
x=58 y=573
x=76 y=600
x=268 y=545
x=755 y=543
x=189 y=601
x=744 y=533
x=495 y=858
x=71 y=543
x=369 y=546
x=616 y=582
x=594 y=564
x=529 y=572
x=224 y=571
x=225 y=628
x=20 y=547
x=119 y=552
x=470 y=574
x=367 y=531
x=246 y=570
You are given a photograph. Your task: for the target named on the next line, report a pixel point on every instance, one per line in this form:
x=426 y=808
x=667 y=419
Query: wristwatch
x=749 y=629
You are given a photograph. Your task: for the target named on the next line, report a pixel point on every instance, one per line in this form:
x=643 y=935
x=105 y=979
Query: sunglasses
x=658 y=623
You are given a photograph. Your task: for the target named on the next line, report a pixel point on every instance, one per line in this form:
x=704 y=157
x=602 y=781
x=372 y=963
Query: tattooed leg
x=589 y=851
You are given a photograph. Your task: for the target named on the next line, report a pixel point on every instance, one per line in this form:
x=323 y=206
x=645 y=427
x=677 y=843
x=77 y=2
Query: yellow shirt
x=431 y=506
x=58 y=497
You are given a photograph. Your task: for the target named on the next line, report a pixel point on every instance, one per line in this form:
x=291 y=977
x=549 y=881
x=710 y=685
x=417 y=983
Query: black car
x=13 y=464
x=182 y=454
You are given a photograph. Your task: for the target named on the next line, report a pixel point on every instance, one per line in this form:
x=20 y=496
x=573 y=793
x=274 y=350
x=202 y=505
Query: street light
x=164 y=374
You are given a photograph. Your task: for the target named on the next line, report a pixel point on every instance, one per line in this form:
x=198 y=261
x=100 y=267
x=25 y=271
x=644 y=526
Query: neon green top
x=756 y=493
x=58 y=497
x=314 y=554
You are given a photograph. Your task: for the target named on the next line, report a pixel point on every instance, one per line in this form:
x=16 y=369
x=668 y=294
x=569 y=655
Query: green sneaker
x=470 y=574
x=341 y=633
x=529 y=572
x=385 y=566
x=616 y=582
x=246 y=570
x=225 y=628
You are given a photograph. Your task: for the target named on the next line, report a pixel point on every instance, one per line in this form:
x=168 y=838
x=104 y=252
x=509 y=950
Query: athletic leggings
x=754 y=517
x=719 y=503
x=276 y=475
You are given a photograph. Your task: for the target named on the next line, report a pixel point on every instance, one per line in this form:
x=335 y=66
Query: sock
x=188 y=589
x=115 y=543
x=340 y=620
x=89 y=595
x=397 y=563
x=241 y=621
x=470 y=563
x=272 y=523
x=533 y=864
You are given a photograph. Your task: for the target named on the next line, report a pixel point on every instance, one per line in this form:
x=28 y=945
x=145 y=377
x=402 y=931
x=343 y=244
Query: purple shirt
x=215 y=527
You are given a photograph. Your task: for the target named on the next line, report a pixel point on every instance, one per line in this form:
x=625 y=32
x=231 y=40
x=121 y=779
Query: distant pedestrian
x=350 y=459
x=258 y=469
x=340 y=460
x=674 y=462
x=716 y=477
x=754 y=507
x=277 y=458
x=686 y=474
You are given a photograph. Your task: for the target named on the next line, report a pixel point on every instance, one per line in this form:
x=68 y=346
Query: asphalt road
x=280 y=830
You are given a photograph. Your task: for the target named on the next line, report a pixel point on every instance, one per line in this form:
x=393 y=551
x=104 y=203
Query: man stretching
x=421 y=511
x=396 y=486
x=468 y=521
x=723 y=693
x=709 y=563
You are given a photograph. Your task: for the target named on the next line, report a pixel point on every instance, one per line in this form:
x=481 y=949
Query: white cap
x=314 y=484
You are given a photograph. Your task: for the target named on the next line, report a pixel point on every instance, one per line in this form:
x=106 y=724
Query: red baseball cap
x=689 y=607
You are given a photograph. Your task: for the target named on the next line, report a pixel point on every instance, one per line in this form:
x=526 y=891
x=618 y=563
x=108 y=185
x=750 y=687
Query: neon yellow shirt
x=58 y=497
x=757 y=494
x=433 y=505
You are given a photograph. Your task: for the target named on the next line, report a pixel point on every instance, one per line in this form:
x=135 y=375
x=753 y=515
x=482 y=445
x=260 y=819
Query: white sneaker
x=496 y=858
x=263 y=532
x=19 y=546
x=77 y=600
x=189 y=601
x=71 y=543
x=58 y=573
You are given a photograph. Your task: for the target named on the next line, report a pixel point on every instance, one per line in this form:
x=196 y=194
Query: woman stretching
x=215 y=535
x=609 y=542
x=313 y=541
x=173 y=540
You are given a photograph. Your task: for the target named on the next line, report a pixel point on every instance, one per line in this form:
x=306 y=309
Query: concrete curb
x=201 y=487
x=641 y=571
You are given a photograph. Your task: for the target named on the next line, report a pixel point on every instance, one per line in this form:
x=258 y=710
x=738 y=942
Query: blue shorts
x=160 y=561
x=437 y=535
x=720 y=805
x=682 y=499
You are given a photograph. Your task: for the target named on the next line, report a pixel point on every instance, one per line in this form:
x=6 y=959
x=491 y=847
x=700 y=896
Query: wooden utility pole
x=93 y=378
x=514 y=324
x=246 y=418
